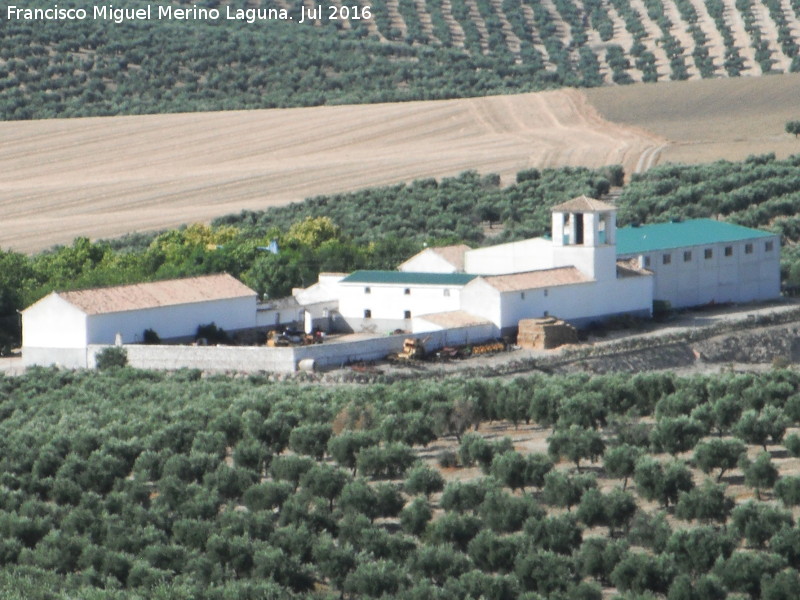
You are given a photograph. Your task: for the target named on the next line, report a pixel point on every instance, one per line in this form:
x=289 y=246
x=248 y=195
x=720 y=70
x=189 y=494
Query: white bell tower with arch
x=584 y=235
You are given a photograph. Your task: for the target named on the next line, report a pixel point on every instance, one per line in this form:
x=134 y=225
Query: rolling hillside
x=104 y=177
x=407 y=50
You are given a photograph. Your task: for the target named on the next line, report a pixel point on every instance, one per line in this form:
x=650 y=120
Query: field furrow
x=457 y=35
x=792 y=17
x=396 y=19
x=715 y=42
x=67 y=178
x=480 y=25
x=512 y=41
x=769 y=32
x=597 y=46
x=535 y=38
x=679 y=31
x=561 y=28
x=425 y=21
x=652 y=41
x=372 y=26
x=741 y=38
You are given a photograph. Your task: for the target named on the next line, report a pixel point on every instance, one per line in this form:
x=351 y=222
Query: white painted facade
x=579 y=303
x=428 y=261
x=574 y=276
x=57 y=331
x=738 y=271
x=513 y=257
x=171 y=322
x=383 y=307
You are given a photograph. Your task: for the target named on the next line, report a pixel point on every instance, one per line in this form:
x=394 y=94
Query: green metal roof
x=697 y=232
x=408 y=278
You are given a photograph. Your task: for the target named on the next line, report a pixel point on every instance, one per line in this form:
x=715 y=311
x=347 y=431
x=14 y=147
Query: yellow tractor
x=412 y=349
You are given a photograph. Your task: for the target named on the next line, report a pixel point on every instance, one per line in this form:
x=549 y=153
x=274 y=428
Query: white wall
x=275 y=317
x=482 y=300
x=579 y=303
x=388 y=303
x=52 y=322
x=598 y=262
x=741 y=277
x=254 y=359
x=172 y=321
x=427 y=261
x=514 y=257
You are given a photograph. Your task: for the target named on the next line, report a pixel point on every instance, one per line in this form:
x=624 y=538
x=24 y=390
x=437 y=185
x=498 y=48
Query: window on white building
x=687 y=256
x=522 y=295
x=748 y=248
x=407 y=291
x=708 y=253
x=367 y=313
x=367 y=290
x=446 y=293
x=728 y=250
x=406 y=314
x=768 y=247
x=546 y=292
x=666 y=259
x=646 y=261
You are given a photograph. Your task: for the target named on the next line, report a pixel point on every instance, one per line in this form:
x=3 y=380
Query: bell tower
x=584 y=236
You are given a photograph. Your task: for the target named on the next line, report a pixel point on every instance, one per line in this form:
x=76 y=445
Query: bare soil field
x=103 y=177
x=709 y=119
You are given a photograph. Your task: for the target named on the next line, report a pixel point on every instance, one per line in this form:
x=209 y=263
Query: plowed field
x=103 y=177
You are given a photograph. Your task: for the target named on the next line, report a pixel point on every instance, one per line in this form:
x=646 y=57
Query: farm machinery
x=291 y=337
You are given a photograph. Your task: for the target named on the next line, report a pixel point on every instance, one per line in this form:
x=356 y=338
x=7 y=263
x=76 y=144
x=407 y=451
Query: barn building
x=58 y=328
x=703 y=261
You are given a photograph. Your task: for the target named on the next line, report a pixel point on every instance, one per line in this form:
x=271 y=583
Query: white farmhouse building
x=588 y=270
x=58 y=328
x=575 y=275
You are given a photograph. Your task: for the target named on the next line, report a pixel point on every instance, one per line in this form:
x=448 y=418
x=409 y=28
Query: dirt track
x=103 y=177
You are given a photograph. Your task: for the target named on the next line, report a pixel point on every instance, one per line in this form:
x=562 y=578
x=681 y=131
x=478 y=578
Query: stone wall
x=285 y=359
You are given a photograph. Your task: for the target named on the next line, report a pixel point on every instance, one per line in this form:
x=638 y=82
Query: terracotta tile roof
x=583 y=204
x=454 y=318
x=537 y=279
x=158 y=293
x=453 y=254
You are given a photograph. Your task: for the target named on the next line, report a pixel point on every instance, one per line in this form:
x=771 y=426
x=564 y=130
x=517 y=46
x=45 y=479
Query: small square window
x=367 y=313
x=666 y=259
x=708 y=253
x=748 y=248
x=446 y=293
x=768 y=246
x=407 y=291
x=406 y=314
x=367 y=290
x=728 y=250
x=546 y=313
x=687 y=256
